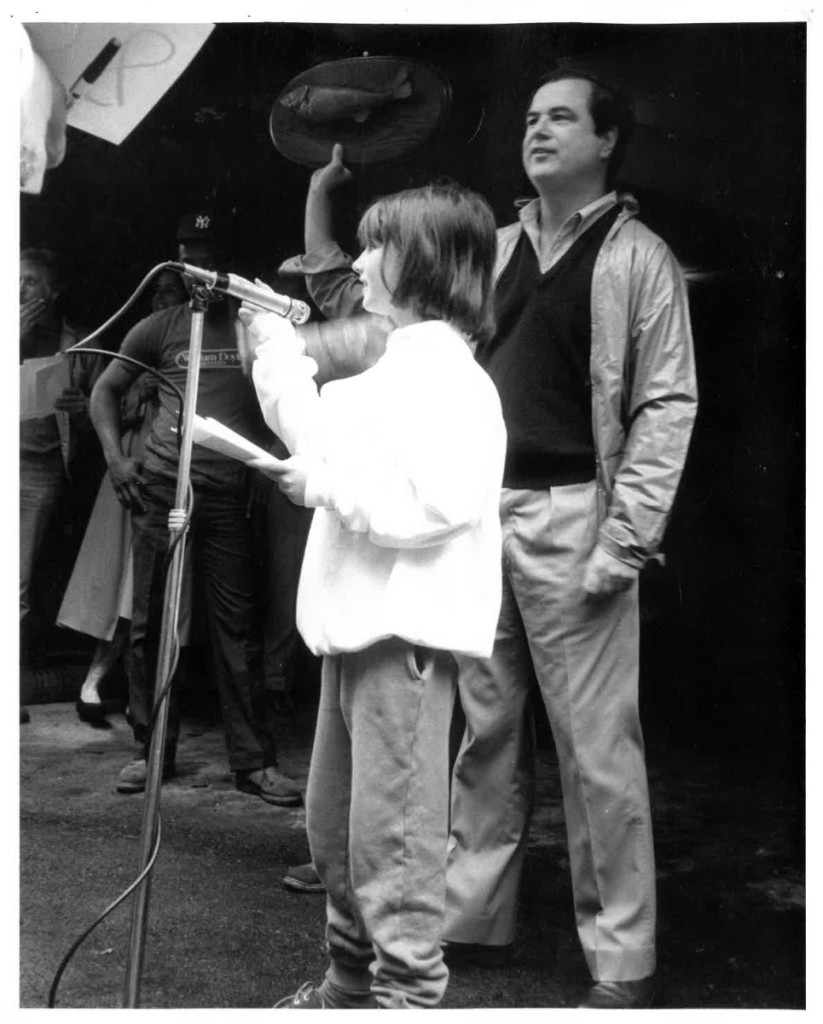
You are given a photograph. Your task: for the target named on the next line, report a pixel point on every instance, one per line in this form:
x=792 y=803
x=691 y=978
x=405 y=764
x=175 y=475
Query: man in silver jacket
x=594 y=363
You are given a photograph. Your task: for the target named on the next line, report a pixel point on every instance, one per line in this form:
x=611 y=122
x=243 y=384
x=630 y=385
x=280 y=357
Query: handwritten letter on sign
x=148 y=61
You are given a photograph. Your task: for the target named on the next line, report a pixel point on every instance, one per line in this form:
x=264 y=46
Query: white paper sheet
x=41 y=381
x=211 y=433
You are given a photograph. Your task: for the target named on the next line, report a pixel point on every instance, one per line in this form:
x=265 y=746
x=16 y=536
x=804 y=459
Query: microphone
x=292 y=309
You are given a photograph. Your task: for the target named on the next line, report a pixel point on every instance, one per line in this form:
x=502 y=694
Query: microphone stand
x=165 y=658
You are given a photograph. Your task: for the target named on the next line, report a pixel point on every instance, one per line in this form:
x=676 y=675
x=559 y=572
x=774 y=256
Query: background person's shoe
x=132 y=778
x=91 y=714
x=303 y=878
x=620 y=995
x=270 y=785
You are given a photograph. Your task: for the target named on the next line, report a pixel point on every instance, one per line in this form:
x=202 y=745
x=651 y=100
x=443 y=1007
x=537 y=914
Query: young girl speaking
x=403 y=464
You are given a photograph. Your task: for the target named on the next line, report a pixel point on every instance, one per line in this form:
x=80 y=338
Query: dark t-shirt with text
x=224 y=392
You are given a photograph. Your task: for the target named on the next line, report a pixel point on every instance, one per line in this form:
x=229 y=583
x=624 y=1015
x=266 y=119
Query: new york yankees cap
x=200 y=225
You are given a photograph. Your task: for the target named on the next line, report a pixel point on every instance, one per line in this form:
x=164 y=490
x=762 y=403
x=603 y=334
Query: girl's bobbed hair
x=445 y=241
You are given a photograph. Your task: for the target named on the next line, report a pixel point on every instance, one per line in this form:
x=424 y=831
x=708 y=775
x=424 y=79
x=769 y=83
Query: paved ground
x=224 y=933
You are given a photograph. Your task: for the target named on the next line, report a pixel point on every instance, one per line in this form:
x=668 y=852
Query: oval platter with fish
x=379 y=108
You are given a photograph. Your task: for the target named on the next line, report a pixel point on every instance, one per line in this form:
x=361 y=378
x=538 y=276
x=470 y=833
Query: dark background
x=718 y=164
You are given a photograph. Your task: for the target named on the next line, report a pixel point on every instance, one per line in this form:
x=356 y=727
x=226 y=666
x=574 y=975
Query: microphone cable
x=135 y=295
x=52 y=1000
x=79 y=349
x=82 y=347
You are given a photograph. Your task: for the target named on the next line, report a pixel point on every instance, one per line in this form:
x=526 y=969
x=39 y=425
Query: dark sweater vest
x=539 y=362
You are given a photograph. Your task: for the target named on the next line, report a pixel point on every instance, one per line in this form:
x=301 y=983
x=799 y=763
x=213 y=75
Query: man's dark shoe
x=303 y=878
x=476 y=954
x=270 y=785
x=620 y=995
x=132 y=778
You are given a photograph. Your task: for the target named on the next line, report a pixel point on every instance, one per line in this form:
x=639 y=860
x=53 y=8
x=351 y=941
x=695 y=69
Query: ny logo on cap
x=202 y=222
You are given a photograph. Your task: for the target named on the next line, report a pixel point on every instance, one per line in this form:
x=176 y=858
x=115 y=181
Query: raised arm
x=318 y=228
x=330 y=281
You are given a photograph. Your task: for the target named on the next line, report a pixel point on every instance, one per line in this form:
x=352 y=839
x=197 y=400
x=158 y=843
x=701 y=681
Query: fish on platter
x=322 y=103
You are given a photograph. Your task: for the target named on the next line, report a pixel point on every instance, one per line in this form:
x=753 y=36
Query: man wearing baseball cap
x=219 y=533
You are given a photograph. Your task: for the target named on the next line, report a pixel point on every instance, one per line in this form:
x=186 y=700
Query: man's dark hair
x=608 y=108
x=50 y=261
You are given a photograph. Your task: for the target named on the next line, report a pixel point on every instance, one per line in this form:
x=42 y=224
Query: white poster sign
x=115 y=73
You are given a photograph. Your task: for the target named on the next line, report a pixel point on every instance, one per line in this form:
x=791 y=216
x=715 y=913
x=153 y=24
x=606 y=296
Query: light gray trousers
x=585 y=657
x=377 y=817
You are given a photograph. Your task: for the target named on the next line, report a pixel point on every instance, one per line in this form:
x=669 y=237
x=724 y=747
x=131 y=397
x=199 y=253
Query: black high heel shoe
x=92 y=714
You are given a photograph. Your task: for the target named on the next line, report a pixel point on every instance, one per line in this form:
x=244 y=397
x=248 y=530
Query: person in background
x=219 y=538
x=401 y=570
x=48 y=436
x=169 y=290
x=98 y=598
x=594 y=363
